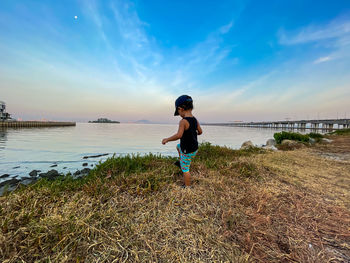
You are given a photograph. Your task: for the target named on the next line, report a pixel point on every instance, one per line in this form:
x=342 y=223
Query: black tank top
x=188 y=141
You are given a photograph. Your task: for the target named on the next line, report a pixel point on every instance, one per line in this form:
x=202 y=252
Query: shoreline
x=10 y=182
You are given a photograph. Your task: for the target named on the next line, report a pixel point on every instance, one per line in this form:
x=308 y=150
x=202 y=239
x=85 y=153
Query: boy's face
x=181 y=112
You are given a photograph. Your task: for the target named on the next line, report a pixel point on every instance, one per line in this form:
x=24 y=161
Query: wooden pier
x=329 y=124
x=30 y=124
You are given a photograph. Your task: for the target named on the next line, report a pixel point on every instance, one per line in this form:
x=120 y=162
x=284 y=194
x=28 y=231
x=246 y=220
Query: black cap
x=180 y=101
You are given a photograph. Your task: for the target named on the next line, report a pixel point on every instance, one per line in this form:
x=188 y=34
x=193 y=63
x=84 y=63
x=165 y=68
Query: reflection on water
x=40 y=148
x=3 y=138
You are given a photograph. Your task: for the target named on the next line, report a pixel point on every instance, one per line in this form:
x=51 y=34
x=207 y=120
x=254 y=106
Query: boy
x=188 y=130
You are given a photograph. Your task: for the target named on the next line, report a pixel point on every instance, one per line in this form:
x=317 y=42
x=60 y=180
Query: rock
x=270 y=142
x=4 y=175
x=64 y=167
x=50 y=174
x=28 y=180
x=312 y=140
x=82 y=172
x=290 y=145
x=85 y=171
x=10 y=182
x=85 y=164
x=247 y=145
x=270 y=147
x=34 y=173
x=95 y=156
x=4 y=189
x=54 y=165
x=16 y=167
x=325 y=140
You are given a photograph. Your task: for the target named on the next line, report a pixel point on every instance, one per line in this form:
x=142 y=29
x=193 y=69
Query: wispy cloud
x=129 y=46
x=322 y=59
x=333 y=37
x=138 y=57
x=226 y=28
x=203 y=59
x=91 y=9
x=228 y=95
x=338 y=28
x=129 y=24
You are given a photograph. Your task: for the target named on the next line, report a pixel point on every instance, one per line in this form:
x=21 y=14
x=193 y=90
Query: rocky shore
x=12 y=183
x=9 y=183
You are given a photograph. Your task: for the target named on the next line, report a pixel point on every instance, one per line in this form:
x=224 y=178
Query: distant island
x=103 y=120
x=143 y=121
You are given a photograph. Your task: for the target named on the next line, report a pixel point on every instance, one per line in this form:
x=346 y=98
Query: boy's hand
x=164 y=141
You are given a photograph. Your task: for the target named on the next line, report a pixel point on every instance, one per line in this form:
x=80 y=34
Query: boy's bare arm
x=199 y=129
x=177 y=135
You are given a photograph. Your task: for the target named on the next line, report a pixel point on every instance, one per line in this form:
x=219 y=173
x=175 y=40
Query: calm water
x=23 y=150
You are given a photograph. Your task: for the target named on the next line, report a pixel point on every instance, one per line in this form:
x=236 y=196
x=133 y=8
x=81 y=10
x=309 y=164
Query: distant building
x=3 y=114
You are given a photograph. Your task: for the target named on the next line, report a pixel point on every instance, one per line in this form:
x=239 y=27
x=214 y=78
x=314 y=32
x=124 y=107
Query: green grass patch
x=341 y=132
x=294 y=136
x=315 y=135
x=146 y=172
x=214 y=156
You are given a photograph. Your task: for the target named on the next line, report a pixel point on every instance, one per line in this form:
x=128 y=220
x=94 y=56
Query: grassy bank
x=244 y=206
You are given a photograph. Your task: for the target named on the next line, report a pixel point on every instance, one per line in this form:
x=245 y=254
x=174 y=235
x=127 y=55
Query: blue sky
x=129 y=60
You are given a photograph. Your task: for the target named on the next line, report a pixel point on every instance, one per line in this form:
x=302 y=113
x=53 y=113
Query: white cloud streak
x=334 y=36
x=335 y=29
x=226 y=28
x=322 y=60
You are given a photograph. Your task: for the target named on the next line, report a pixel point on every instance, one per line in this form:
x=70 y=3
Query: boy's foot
x=186 y=187
x=177 y=163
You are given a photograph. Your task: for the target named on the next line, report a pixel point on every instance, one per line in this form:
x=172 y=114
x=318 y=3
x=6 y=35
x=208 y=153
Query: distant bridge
x=329 y=124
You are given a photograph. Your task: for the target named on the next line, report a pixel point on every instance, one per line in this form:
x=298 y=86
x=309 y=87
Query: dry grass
x=245 y=206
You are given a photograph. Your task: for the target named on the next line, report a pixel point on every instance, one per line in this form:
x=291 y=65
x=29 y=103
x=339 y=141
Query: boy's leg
x=187 y=178
x=177 y=148
x=177 y=163
x=186 y=168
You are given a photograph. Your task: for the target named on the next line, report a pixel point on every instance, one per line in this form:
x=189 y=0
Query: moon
x=75 y=17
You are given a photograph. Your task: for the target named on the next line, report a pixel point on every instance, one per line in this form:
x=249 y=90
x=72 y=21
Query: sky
x=129 y=60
